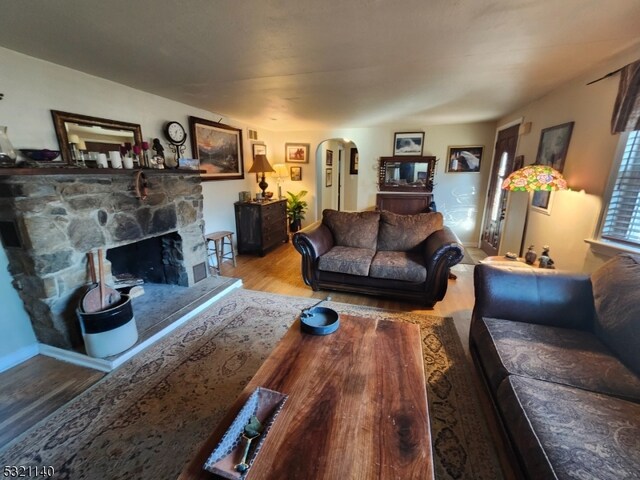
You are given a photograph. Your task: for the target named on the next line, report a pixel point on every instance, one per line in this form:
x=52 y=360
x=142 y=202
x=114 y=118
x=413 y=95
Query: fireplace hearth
x=50 y=220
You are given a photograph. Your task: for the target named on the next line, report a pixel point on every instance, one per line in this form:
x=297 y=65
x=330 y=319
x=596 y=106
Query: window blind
x=622 y=220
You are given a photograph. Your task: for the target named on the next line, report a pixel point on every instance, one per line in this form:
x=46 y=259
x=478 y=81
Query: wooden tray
x=264 y=404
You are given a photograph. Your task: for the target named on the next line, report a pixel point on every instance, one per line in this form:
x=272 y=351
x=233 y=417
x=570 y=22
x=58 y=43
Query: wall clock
x=177 y=135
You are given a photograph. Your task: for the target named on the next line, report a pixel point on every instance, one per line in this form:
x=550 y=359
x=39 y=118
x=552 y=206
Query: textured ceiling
x=296 y=65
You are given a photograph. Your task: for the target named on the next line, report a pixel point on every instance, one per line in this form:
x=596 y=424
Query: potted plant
x=296 y=208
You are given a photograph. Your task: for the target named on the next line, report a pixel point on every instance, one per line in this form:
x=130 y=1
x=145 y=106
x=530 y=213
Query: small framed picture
x=329 y=158
x=259 y=149
x=542 y=201
x=296 y=174
x=329 y=178
x=464 y=158
x=408 y=143
x=354 y=159
x=296 y=152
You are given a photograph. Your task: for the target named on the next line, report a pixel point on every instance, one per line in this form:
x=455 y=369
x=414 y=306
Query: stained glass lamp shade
x=535 y=178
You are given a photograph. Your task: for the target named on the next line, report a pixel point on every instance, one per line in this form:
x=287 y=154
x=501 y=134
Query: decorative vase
x=530 y=256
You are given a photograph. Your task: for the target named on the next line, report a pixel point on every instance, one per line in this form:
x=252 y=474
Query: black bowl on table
x=40 y=155
x=319 y=321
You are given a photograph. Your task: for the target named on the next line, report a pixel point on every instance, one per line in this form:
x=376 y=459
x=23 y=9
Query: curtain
x=626 y=111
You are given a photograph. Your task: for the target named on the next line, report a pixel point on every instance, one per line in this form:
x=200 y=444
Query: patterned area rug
x=146 y=419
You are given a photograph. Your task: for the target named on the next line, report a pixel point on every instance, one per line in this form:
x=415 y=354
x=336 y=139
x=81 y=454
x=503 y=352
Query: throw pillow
x=353 y=229
x=403 y=233
x=617 y=301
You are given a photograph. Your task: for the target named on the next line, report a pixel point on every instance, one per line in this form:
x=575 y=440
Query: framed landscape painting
x=219 y=149
x=296 y=152
x=408 y=143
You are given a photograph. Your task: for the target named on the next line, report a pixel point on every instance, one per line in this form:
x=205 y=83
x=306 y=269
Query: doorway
x=337 y=184
x=503 y=165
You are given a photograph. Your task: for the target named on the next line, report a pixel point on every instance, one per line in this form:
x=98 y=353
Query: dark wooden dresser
x=260 y=226
x=405 y=203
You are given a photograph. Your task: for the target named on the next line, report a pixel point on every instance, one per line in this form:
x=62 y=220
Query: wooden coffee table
x=357 y=406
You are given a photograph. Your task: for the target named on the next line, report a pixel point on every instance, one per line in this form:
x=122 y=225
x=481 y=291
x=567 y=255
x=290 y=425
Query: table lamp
x=261 y=165
x=281 y=173
x=533 y=178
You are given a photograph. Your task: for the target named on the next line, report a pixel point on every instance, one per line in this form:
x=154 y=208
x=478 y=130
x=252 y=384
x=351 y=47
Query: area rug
x=147 y=419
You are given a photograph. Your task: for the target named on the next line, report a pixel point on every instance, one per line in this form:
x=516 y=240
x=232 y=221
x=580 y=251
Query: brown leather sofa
x=560 y=356
x=379 y=253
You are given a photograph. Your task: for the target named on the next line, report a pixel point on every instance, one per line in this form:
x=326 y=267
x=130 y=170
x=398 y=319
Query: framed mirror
x=406 y=174
x=92 y=135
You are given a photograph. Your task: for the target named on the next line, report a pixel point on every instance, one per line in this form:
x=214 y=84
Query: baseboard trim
x=110 y=364
x=16 y=358
x=76 y=358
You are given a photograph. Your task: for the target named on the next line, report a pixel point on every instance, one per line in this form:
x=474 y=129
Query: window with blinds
x=622 y=220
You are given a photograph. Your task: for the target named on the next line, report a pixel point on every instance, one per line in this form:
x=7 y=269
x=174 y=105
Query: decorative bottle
x=530 y=256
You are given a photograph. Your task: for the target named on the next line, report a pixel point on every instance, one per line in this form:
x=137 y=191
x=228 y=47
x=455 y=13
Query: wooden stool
x=216 y=248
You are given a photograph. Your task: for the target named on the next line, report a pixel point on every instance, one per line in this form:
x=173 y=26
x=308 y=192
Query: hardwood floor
x=39 y=386
x=36 y=388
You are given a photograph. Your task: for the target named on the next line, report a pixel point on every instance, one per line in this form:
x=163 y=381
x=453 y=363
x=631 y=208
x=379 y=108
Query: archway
x=337 y=175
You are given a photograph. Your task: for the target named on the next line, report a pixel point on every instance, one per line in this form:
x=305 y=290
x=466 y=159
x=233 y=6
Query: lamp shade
x=73 y=138
x=535 y=178
x=280 y=170
x=261 y=165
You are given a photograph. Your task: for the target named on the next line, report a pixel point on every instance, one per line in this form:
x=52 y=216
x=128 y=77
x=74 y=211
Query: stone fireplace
x=50 y=220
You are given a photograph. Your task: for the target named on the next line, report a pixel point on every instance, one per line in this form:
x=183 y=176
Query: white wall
x=18 y=340
x=32 y=88
x=350 y=182
x=329 y=195
x=573 y=215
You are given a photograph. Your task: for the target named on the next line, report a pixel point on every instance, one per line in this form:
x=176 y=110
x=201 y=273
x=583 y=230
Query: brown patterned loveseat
x=379 y=253
x=560 y=355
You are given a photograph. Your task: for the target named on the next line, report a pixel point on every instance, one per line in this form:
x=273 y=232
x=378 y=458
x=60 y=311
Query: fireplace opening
x=153 y=260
